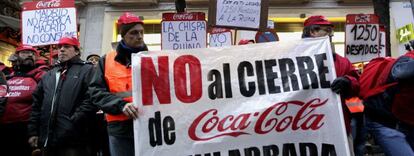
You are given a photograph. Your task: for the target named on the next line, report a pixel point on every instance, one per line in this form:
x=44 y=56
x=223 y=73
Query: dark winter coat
x=64 y=121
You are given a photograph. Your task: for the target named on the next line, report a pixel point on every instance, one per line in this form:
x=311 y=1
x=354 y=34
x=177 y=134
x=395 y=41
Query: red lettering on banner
x=49 y=4
x=273 y=118
x=150 y=79
x=180 y=78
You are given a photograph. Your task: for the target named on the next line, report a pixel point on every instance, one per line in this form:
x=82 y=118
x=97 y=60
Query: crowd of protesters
x=59 y=110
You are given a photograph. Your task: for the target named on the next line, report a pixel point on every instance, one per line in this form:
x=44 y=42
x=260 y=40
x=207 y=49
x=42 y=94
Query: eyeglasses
x=328 y=30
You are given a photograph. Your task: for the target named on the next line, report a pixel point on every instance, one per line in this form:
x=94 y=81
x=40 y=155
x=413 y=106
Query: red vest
x=119 y=80
x=19 y=99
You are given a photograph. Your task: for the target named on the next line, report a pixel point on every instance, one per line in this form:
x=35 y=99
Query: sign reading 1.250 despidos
x=45 y=22
x=362 y=37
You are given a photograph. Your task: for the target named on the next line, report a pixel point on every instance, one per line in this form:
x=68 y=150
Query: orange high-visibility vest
x=119 y=80
x=355 y=105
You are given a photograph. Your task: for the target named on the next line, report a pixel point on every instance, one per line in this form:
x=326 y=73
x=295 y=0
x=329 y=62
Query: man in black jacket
x=61 y=105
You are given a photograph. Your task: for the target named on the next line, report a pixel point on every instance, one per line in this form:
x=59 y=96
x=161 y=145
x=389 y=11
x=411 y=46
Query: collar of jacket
x=72 y=61
x=124 y=52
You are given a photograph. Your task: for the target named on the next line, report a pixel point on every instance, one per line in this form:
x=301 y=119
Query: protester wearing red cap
x=113 y=70
x=62 y=112
x=346 y=84
x=14 y=116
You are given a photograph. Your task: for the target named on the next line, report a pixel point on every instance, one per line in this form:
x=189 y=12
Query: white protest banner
x=45 y=22
x=183 y=31
x=271 y=97
x=220 y=37
x=246 y=14
x=362 y=37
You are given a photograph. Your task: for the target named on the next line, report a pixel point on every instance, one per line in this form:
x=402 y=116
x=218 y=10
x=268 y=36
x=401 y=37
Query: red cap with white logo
x=317 y=20
x=127 y=18
x=69 y=41
x=26 y=47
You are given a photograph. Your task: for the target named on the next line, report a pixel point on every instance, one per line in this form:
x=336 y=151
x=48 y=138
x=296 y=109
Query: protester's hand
x=130 y=110
x=341 y=85
x=33 y=141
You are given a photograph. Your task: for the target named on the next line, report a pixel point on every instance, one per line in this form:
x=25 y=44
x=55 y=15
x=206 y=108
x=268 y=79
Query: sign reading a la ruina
x=362 y=37
x=45 y=22
x=246 y=14
x=256 y=99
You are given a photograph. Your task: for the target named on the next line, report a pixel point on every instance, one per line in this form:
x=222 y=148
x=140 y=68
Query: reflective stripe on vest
x=119 y=80
x=355 y=105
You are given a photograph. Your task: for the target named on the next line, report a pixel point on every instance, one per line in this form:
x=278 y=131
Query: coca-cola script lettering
x=178 y=17
x=209 y=125
x=49 y=4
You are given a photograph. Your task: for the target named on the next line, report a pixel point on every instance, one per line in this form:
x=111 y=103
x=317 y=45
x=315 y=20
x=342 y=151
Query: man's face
x=94 y=60
x=26 y=57
x=324 y=31
x=135 y=36
x=66 y=52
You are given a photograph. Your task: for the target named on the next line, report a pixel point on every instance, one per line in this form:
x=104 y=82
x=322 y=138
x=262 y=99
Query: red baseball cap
x=127 y=18
x=69 y=41
x=244 y=41
x=317 y=20
x=26 y=47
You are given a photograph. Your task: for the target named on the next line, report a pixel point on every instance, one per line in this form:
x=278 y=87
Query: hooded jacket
x=61 y=107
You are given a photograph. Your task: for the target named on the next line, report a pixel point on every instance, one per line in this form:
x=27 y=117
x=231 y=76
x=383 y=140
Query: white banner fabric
x=259 y=99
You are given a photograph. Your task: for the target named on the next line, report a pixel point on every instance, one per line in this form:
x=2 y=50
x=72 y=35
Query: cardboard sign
x=183 y=31
x=401 y=13
x=246 y=14
x=362 y=37
x=271 y=97
x=45 y=22
x=405 y=33
x=220 y=37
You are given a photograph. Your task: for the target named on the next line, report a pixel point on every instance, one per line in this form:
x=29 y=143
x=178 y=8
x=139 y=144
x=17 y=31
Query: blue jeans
x=121 y=146
x=392 y=141
x=359 y=134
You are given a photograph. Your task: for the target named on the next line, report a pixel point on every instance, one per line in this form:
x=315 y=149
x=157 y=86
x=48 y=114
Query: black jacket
x=67 y=123
x=108 y=102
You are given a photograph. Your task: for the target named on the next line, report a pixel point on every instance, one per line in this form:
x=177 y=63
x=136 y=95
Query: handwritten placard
x=183 y=31
x=246 y=14
x=45 y=22
x=220 y=37
x=362 y=37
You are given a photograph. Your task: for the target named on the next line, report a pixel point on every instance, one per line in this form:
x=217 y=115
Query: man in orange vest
x=111 y=87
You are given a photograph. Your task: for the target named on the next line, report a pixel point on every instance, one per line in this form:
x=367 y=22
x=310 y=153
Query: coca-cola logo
x=183 y=17
x=208 y=125
x=219 y=30
x=48 y=4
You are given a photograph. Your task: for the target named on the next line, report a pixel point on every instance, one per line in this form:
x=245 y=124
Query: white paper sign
x=362 y=37
x=238 y=13
x=47 y=26
x=183 y=35
x=220 y=39
x=272 y=97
